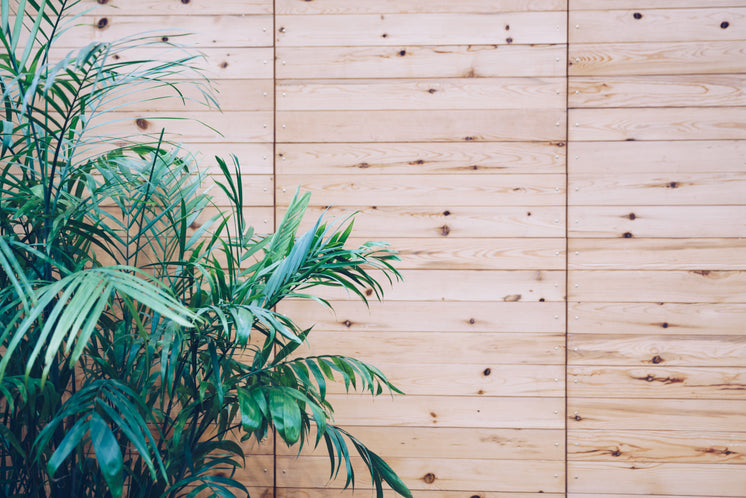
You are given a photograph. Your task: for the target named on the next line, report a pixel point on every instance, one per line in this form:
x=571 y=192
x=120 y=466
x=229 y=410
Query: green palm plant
x=138 y=351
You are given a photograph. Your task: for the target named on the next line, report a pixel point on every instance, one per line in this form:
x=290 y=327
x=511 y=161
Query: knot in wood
x=657 y=359
x=724 y=25
x=637 y=15
x=429 y=478
x=445 y=230
x=347 y=323
x=627 y=235
x=487 y=372
x=142 y=123
x=102 y=23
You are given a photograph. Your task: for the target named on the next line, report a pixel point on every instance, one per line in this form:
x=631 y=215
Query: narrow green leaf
x=108 y=454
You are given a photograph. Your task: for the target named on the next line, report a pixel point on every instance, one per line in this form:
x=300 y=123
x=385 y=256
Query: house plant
x=139 y=345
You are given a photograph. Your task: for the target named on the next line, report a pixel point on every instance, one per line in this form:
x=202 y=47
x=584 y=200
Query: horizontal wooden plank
x=417 y=126
x=658 y=91
x=657 y=25
x=414 y=6
x=657 y=382
x=657 y=221
x=471 y=285
x=657 y=350
x=697 y=156
x=689 y=416
x=444 y=442
x=484 y=222
x=479 y=254
x=392 y=316
x=468 y=493
x=433 y=474
x=257 y=190
x=193 y=31
x=615 y=495
x=485 y=349
x=694 y=286
x=195 y=126
x=685 y=57
x=188 y=7
x=635 y=4
x=457 y=380
x=656 y=254
x=431 y=190
x=657 y=478
x=254 y=159
x=657 y=318
x=441 y=411
x=422 y=158
x=684 y=123
x=494 y=28
x=656 y=446
x=436 y=61
x=229 y=95
x=430 y=94
x=657 y=189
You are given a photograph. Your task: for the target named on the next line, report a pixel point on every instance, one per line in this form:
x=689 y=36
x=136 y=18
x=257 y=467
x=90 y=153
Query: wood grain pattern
x=190 y=7
x=435 y=474
x=657 y=221
x=193 y=31
x=701 y=286
x=657 y=254
x=725 y=90
x=466 y=443
x=612 y=158
x=635 y=4
x=468 y=493
x=654 y=478
x=422 y=158
x=433 y=190
x=255 y=159
x=435 y=61
x=657 y=350
x=429 y=94
x=441 y=411
x=658 y=189
x=453 y=317
x=414 y=221
x=485 y=349
x=656 y=446
x=656 y=318
x=229 y=95
x=685 y=415
x=657 y=25
x=650 y=58
x=682 y=123
x=658 y=382
x=417 y=126
x=414 y=6
x=421 y=29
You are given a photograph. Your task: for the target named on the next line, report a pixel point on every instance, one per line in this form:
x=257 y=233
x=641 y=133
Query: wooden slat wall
x=657 y=288
x=481 y=144
x=443 y=123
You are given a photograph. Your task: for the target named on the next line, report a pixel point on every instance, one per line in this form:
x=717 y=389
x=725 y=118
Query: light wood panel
x=486 y=28
x=185 y=7
x=473 y=493
x=673 y=188
x=422 y=158
x=651 y=58
x=662 y=350
x=724 y=90
x=657 y=221
x=657 y=254
x=656 y=446
x=434 y=61
x=484 y=222
x=704 y=286
x=426 y=316
x=414 y=6
x=685 y=415
x=685 y=123
x=417 y=126
x=434 y=474
x=433 y=190
x=612 y=158
x=484 y=349
x=229 y=95
x=430 y=94
x=657 y=318
x=657 y=25
x=462 y=443
x=654 y=478
x=636 y=4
